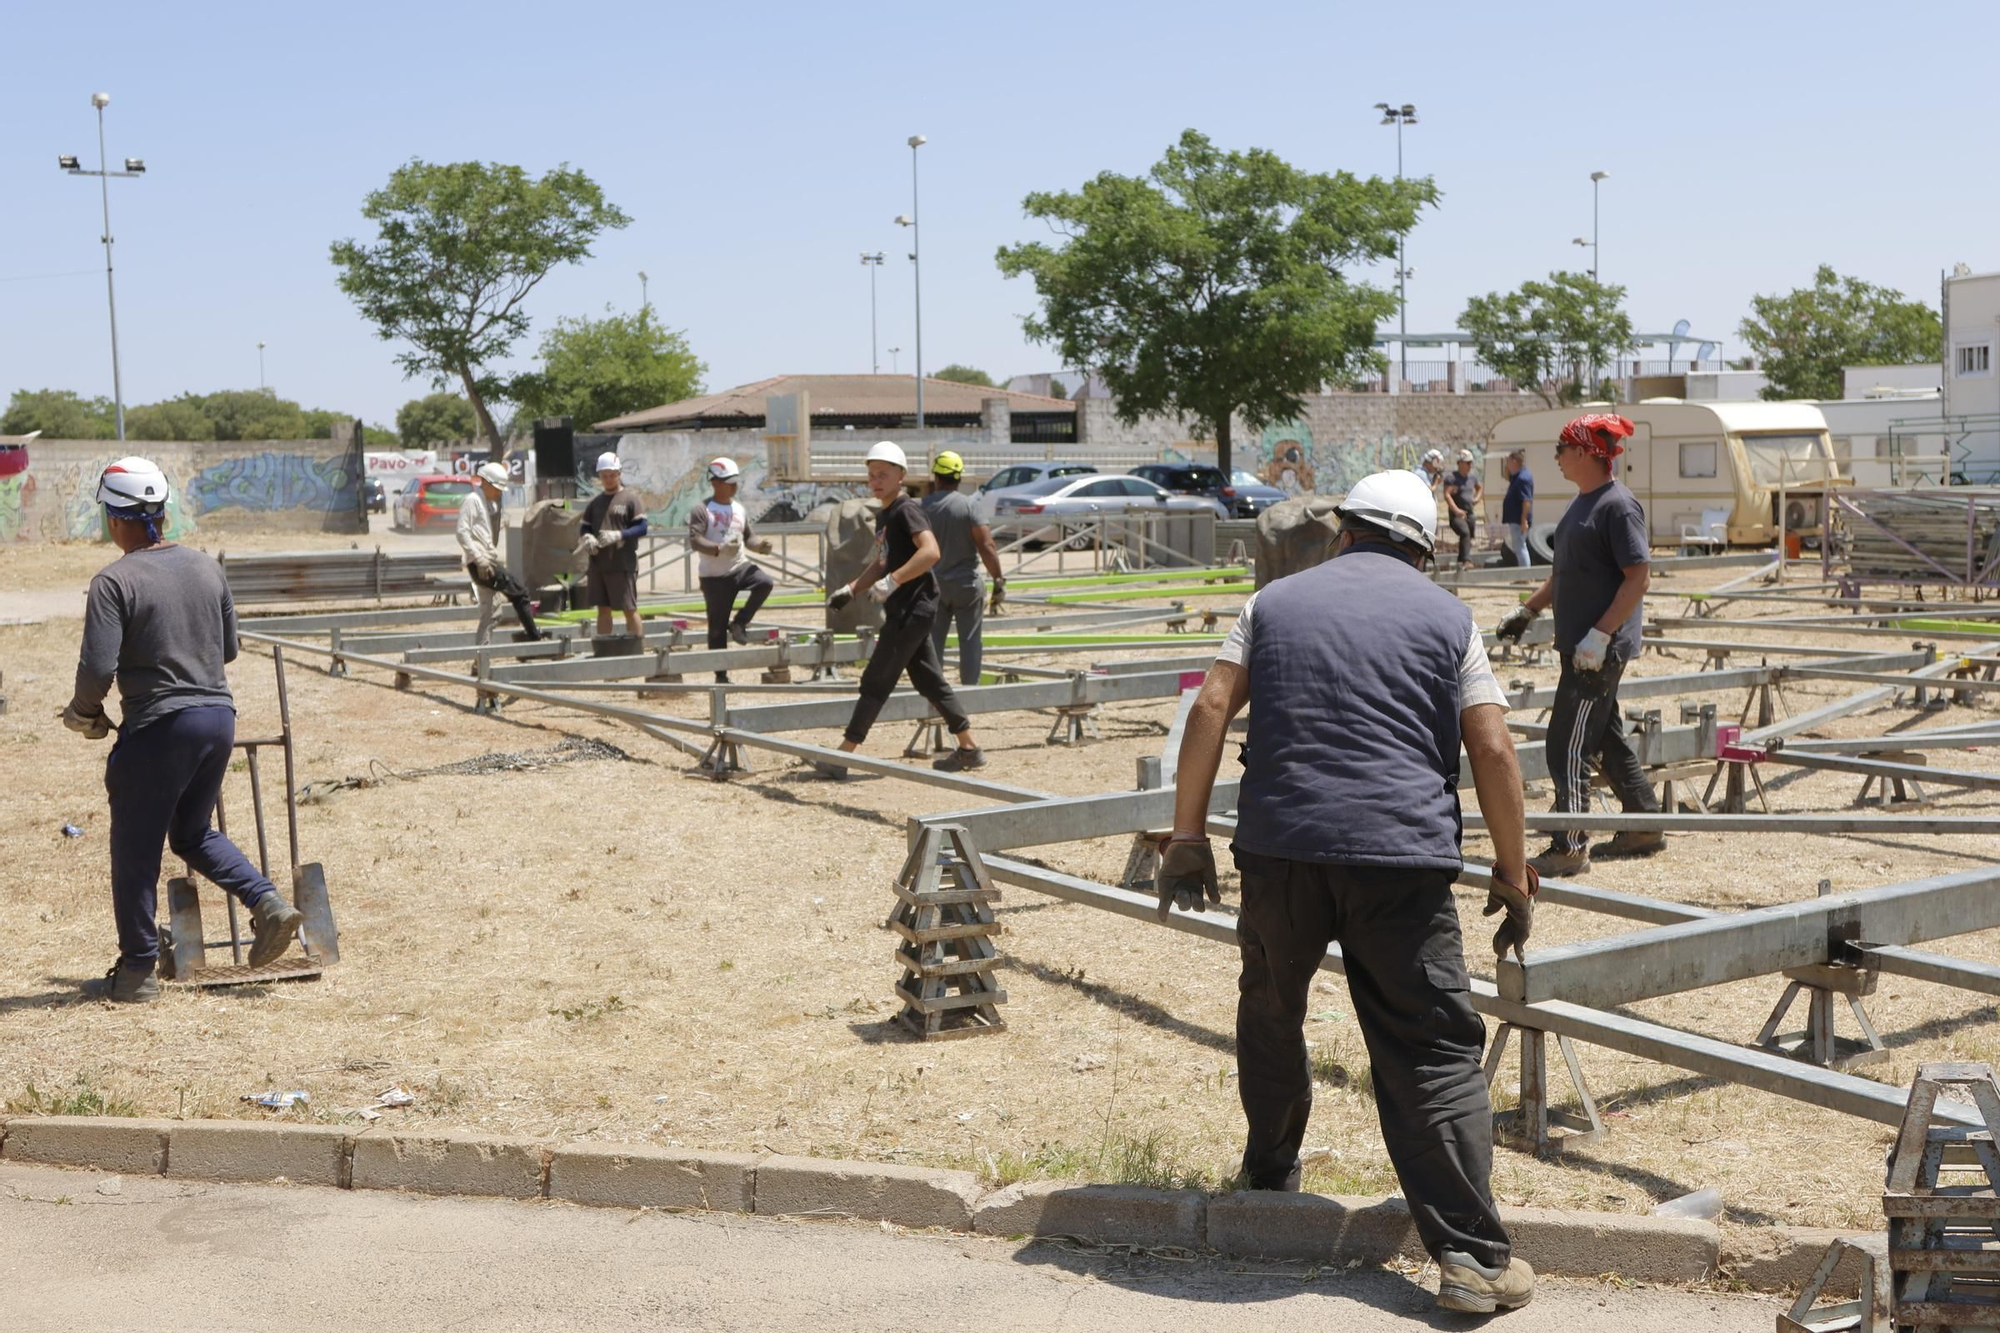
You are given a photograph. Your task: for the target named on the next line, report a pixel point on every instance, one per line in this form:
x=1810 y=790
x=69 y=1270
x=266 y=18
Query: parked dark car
x=1202 y=479
x=376 y=495
x=1253 y=497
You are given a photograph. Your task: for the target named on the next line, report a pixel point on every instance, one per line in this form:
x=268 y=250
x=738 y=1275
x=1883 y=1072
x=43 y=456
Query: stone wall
x=48 y=488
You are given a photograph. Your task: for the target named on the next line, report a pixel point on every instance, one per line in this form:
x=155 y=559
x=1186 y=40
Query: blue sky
x=760 y=149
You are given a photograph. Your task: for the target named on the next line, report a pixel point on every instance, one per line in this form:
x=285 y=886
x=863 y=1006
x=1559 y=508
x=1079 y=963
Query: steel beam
x=1861 y=677
x=798 y=652
x=1876 y=768
x=1853 y=703
x=1076 y=691
x=1909 y=740
x=1671 y=822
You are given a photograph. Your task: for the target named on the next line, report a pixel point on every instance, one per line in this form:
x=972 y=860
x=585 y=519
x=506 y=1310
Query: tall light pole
x=874 y=262
x=1399 y=116
x=893 y=351
x=917 y=269
x=260 y=366
x=643 y=301
x=1592 y=247
x=133 y=167
x=1596 y=259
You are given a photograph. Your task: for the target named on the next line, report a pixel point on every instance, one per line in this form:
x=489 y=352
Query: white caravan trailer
x=1704 y=471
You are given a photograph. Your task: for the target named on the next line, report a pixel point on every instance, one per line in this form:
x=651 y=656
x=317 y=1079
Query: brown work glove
x=1187 y=871
x=999 y=597
x=1519 y=905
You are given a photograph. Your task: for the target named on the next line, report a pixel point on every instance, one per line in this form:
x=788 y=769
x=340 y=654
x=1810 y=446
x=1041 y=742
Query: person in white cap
x=478 y=542
x=613 y=522
x=900 y=578
x=1430 y=468
x=719 y=530
x=160 y=624
x=1463 y=490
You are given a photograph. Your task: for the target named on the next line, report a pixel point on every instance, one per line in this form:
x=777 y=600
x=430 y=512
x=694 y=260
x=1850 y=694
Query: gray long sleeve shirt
x=160 y=622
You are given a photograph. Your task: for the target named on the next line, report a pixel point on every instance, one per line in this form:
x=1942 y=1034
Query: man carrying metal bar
x=964 y=543
x=1598 y=588
x=719 y=530
x=1363 y=677
x=1463 y=490
x=160 y=622
x=478 y=542
x=900 y=579
x=613 y=522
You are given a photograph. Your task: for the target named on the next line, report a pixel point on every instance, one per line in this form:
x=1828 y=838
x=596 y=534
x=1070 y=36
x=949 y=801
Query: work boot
x=275 y=923
x=961 y=759
x=1556 y=863
x=125 y=985
x=1630 y=842
x=1472 y=1288
x=737 y=634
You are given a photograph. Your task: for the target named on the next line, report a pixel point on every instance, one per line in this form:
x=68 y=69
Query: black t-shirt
x=615 y=511
x=896 y=530
x=1600 y=535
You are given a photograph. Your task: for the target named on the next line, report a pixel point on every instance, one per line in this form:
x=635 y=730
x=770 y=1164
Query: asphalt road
x=87 y=1250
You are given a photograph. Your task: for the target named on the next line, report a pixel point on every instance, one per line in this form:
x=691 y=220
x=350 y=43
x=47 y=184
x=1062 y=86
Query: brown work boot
x=1556 y=863
x=1630 y=842
x=124 y=985
x=1472 y=1288
x=276 y=923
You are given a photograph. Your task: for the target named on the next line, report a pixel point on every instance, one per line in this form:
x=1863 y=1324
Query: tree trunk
x=488 y=432
x=1222 y=443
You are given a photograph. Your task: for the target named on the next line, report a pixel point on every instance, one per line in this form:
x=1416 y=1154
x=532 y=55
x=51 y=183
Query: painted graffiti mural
x=1289 y=458
x=268 y=481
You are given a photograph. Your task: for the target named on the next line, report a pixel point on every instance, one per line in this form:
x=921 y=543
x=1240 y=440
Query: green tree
x=378 y=435
x=959 y=374
x=459 y=247
x=1557 y=332
x=59 y=414
x=596 y=369
x=1213 y=285
x=1056 y=389
x=434 y=419
x=1805 y=336
x=180 y=418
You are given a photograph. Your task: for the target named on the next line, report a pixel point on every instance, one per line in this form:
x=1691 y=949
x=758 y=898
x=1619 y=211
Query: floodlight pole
x=1400 y=115
x=873 y=262
x=917 y=272
x=104 y=175
x=260 y=366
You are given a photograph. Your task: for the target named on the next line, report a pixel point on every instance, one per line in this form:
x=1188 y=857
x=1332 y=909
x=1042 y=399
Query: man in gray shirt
x=963 y=544
x=161 y=625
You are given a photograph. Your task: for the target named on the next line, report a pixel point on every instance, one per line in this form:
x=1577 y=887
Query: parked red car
x=430 y=502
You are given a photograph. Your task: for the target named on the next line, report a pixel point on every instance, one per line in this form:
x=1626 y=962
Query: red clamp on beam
x=1726 y=747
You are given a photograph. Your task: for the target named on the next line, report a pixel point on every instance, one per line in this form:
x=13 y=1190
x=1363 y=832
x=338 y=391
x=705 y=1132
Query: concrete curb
x=1298 y=1227
x=1782 y=1258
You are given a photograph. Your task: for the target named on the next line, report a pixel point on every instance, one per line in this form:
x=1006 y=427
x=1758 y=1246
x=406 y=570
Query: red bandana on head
x=1597 y=433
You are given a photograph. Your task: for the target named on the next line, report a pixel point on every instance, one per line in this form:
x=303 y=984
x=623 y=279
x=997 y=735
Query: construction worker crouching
x=478 y=541
x=719 y=530
x=1363 y=677
x=964 y=543
x=160 y=622
x=613 y=522
x=1598 y=588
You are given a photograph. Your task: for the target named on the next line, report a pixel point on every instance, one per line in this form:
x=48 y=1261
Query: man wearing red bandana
x=1600 y=578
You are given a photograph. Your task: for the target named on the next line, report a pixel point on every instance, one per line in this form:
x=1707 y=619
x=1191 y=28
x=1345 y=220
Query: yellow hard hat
x=948 y=464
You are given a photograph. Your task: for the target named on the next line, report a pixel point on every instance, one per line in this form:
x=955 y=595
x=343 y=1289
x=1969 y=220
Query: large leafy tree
x=595 y=369
x=459 y=246
x=1558 y=333
x=59 y=414
x=1214 y=284
x=959 y=374
x=434 y=419
x=1805 y=336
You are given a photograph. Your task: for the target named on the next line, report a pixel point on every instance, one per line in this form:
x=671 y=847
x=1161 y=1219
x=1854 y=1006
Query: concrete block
x=247 y=1150
x=1096 y=1214
x=1314 y=1228
x=1782 y=1258
x=906 y=1195
x=109 y=1143
x=448 y=1164
x=639 y=1175
x=1649 y=1249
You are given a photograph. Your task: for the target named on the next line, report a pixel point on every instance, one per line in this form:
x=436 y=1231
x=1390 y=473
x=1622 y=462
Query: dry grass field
x=619 y=949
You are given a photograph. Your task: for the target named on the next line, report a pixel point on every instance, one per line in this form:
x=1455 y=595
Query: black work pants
x=1585 y=726
x=718 y=594
x=1461 y=523
x=905 y=645
x=501 y=584
x=1398 y=933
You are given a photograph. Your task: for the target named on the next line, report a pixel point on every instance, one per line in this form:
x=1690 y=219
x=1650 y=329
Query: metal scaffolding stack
x=1943 y=1206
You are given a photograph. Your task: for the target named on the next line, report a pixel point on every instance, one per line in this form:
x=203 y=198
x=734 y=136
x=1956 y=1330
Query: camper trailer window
x=1698 y=458
x=1784 y=459
x=1975 y=359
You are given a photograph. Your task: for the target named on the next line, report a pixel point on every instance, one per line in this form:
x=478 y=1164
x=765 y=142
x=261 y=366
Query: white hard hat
x=496 y=473
x=1465 y=455
x=609 y=463
x=724 y=469
x=1432 y=456
x=1398 y=503
x=133 y=483
x=885 y=451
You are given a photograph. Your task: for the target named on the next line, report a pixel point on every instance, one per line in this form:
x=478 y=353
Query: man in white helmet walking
x=1363 y=678
x=613 y=522
x=719 y=530
x=160 y=624
x=478 y=542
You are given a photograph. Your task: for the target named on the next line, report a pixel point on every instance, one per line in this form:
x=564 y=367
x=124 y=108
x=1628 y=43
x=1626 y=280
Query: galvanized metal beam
x=1076 y=692
x=1909 y=740
x=1671 y=822
x=1854 y=703
x=1877 y=768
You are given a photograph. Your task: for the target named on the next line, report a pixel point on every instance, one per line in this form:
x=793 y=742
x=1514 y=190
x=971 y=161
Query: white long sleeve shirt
x=478 y=529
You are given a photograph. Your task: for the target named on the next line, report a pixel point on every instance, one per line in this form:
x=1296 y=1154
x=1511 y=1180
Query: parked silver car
x=1086 y=497
x=1017 y=478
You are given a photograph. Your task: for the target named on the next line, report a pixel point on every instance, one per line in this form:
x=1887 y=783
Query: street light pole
x=893 y=353
x=260 y=366
x=873 y=262
x=1399 y=116
x=917 y=268
x=133 y=167
x=1596 y=260
x=644 y=301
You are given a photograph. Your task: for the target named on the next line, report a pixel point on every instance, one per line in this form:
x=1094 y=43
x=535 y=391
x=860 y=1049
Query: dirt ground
x=617 y=949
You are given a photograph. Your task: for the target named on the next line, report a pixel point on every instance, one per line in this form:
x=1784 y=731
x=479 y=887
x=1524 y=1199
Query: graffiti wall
x=669 y=469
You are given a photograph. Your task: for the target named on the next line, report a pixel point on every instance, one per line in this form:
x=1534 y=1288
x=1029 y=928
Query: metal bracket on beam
x=1534 y=1123
x=1142 y=864
x=1818 y=1043
x=928 y=740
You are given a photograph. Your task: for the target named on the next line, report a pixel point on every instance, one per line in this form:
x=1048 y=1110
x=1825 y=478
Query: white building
x=1971 y=389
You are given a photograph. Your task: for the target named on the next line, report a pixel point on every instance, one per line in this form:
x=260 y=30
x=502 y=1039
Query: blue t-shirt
x=1520 y=491
x=1600 y=535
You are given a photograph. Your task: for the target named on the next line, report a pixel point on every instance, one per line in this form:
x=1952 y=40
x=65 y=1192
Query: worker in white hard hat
x=161 y=625
x=719 y=530
x=1363 y=678
x=478 y=543
x=1430 y=468
x=900 y=578
x=1463 y=490
x=965 y=542
x=613 y=522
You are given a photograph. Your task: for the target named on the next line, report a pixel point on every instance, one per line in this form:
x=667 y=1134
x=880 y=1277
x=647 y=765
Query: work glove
x=882 y=587
x=732 y=551
x=999 y=597
x=838 y=599
x=1187 y=872
x=765 y=547
x=1516 y=624
x=90 y=726
x=1519 y=905
x=586 y=545
x=607 y=540
x=484 y=569
x=1589 y=654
